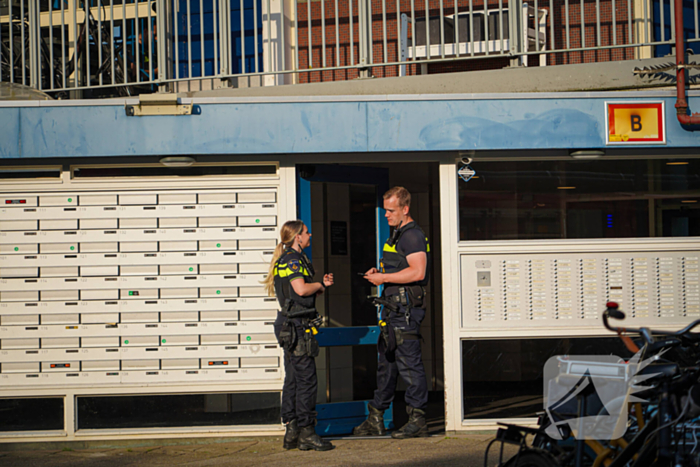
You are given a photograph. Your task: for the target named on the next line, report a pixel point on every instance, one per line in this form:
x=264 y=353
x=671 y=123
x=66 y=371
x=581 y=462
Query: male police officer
x=404 y=273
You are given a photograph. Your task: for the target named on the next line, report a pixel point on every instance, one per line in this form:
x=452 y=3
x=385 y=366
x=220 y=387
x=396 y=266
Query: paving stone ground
x=464 y=450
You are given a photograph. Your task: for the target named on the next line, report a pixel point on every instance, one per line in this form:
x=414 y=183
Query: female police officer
x=290 y=279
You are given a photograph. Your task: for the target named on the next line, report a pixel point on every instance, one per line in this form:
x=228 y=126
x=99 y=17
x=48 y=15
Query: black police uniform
x=406 y=360
x=300 y=382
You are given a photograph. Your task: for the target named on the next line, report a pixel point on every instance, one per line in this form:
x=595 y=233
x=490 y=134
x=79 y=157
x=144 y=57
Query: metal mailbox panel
x=70 y=271
x=100 y=365
x=258 y=314
x=151 y=364
x=59 y=342
x=99 y=342
x=217 y=221
x=173 y=222
x=257 y=197
x=19 y=249
x=179 y=363
x=19 y=272
x=177 y=198
x=105 y=294
x=138 y=270
x=259 y=362
x=259 y=244
x=60 y=366
x=99 y=224
x=140 y=317
x=216 y=198
x=179 y=340
x=58 y=224
x=121 y=279
x=20 y=367
x=138 y=199
x=224 y=339
x=218 y=315
x=19 y=344
x=257 y=221
x=10 y=320
x=62 y=200
x=97 y=200
x=19 y=225
x=218 y=245
x=106 y=247
x=179 y=246
x=220 y=362
x=176 y=316
x=63 y=318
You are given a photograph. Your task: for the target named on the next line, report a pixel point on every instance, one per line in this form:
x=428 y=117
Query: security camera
x=466 y=157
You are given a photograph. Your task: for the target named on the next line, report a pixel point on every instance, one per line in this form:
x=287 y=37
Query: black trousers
x=300 y=388
x=408 y=364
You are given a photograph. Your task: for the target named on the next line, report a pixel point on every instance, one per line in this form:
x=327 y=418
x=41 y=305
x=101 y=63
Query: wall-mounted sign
x=634 y=123
x=339 y=238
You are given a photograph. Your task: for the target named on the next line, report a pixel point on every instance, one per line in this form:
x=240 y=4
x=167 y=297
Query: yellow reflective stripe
x=390 y=249
x=427 y=245
x=285 y=271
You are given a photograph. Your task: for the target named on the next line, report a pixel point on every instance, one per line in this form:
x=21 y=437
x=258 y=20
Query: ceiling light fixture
x=678 y=163
x=566 y=188
x=587 y=154
x=689 y=201
x=177 y=161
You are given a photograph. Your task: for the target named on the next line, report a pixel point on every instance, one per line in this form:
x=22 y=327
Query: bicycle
x=664 y=434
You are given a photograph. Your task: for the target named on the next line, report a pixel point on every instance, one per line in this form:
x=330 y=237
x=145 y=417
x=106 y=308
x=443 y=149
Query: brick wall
x=311 y=56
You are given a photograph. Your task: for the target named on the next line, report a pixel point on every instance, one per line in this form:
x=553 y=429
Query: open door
x=342 y=206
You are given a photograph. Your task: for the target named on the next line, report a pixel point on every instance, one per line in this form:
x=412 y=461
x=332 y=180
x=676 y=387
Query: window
x=519 y=200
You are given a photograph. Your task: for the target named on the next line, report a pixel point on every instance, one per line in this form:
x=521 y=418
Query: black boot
x=416 y=426
x=308 y=440
x=291 y=436
x=373 y=426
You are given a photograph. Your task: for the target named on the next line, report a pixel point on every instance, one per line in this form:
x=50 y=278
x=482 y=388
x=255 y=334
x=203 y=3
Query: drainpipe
x=681 y=103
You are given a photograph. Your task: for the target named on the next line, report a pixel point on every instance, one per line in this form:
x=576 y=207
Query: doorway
x=349 y=230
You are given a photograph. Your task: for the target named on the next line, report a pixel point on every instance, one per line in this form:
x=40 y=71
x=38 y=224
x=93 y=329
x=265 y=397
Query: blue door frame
x=340 y=417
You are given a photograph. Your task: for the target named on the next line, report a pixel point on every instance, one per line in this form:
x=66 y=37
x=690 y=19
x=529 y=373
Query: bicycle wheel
x=532 y=459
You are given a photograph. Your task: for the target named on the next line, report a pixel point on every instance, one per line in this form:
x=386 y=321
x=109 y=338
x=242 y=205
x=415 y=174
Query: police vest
x=394 y=260
x=292 y=262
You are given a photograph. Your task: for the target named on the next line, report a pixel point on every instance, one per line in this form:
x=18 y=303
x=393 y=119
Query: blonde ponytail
x=288 y=233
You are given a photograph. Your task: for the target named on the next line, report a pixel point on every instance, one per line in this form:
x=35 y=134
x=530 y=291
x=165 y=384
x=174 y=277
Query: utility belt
x=390 y=337
x=411 y=296
x=292 y=309
x=306 y=320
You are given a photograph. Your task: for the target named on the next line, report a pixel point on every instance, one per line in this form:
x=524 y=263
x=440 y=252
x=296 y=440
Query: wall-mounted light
x=678 y=163
x=177 y=161
x=587 y=154
x=566 y=188
x=689 y=201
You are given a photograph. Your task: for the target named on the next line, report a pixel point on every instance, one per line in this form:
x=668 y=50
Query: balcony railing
x=94 y=48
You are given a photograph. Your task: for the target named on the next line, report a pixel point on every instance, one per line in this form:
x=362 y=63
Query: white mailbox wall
x=121 y=291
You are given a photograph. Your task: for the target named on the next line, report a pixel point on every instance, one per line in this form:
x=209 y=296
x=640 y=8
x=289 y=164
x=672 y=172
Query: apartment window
x=522 y=200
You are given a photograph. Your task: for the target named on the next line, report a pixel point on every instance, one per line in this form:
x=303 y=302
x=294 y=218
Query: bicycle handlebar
x=612 y=311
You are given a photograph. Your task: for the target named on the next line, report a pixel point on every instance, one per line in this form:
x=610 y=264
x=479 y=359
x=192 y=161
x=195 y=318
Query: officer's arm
x=417 y=262
x=305 y=289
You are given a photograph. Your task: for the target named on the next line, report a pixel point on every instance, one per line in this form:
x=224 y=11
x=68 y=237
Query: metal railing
x=96 y=48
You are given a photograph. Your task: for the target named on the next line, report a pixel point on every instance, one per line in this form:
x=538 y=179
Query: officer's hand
x=375 y=278
x=328 y=280
x=372 y=271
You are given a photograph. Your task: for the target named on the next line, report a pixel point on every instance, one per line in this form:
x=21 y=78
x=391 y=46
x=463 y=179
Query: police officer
x=404 y=274
x=290 y=279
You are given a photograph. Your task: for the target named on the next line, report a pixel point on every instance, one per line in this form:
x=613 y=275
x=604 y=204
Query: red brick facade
x=341 y=55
